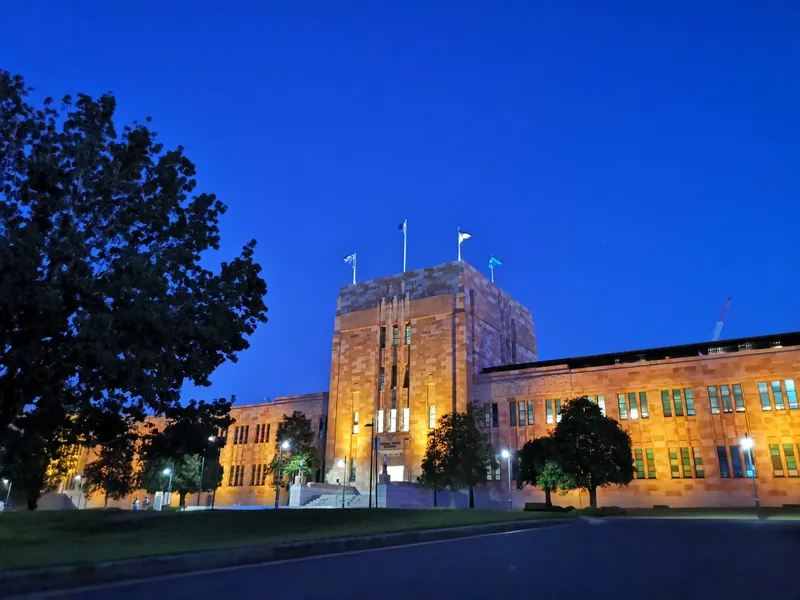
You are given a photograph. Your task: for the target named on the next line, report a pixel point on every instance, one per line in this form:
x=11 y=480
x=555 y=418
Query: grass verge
x=29 y=540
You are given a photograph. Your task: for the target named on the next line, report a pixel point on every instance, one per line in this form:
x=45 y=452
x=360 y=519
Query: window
x=699 y=471
x=495 y=416
x=639 y=464
x=383 y=337
x=678 y=401
x=558 y=410
x=738 y=398
x=623 y=407
x=487 y=416
x=258 y=432
x=407 y=377
x=725 y=392
x=236 y=435
x=392 y=420
x=724 y=467
x=230 y=475
x=394 y=377
x=713 y=400
x=269 y=425
x=665 y=403
x=548 y=407
x=406 y=419
x=381 y=418
x=395 y=335
x=355 y=422
x=736 y=461
x=651 y=463
x=762 y=391
x=791 y=393
x=791 y=461
x=777 y=395
x=512 y=414
x=352 y=470
x=777 y=463
x=522 y=414
x=530 y=412
x=323 y=424
x=253 y=475
x=673 y=464
x=686 y=463
x=688 y=393
x=431 y=417
x=382 y=379
x=632 y=403
x=407 y=339
x=643 y=405
x=601 y=402
x=749 y=467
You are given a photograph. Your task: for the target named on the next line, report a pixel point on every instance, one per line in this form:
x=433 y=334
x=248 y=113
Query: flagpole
x=491 y=268
x=354 y=268
x=405 y=242
x=459 y=244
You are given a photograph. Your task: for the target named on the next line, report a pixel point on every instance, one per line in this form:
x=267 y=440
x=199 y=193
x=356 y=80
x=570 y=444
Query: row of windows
x=639 y=460
x=731 y=464
x=236 y=476
x=789 y=460
x=777 y=395
x=380 y=421
x=406 y=378
x=396 y=335
x=684 y=465
x=240 y=434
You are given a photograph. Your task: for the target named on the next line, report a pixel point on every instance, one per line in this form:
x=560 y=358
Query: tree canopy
x=538 y=466
x=112 y=472
x=301 y=456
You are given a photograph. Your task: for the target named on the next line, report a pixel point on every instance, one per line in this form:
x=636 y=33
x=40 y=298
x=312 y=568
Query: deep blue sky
x=632 y=165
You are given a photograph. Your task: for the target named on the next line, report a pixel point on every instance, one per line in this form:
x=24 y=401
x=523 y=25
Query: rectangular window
x=407 y=377
x=651 y=463
x=736 y=462
x=269 y=425
x=725 y=393
x=257 y=478
x=521 y=407
x=230 y=474
x=777 y=463
x=639 y=464
x=253 y=475
x=686 y=463
x=764 y=393
x=355 y=422
x=678 y=402
x=487 y=416
x=724 y=467
x=495 y=415
x=643 y=406
x=699 y=471
x=665 y=403
x=382 y=379
x=258 y=432
x=673 y=464
x=383 y=337
x=392 y=420
x=352 y=470
x=381 y=420
x=407 y=339
x=394 y=377
x=749 y=467
x=791 y=461
x=406 y=419
x=601 y=402
x=777 y=395
x=322 y=426
x=558 y=410
x=688 y=393
x=395 y=335
x=512 y=414
x=738 y=398
x=623 y=407
x=530 y=412
x=548 y=407
x=713 y=400
x=791 y=393
x=633 y=405
x=236 y=435
x=431 y=417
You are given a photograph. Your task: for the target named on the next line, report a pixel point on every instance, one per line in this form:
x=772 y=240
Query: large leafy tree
x=154 y=476
x=300 y=456
x=532 y=457
x=591 y=448
x=105 y=306
x=112 y=472
x=433 y=466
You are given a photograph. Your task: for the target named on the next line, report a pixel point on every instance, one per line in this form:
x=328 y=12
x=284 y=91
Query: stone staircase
x=351 y=500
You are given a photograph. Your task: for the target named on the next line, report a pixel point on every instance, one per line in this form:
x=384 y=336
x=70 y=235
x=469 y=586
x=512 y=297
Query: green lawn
x=73 y=537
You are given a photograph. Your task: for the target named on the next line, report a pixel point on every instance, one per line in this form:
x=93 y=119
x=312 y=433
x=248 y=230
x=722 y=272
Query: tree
x=112 y=472
x=432 y=465
x=553 y=479
x=591 y=448
x=297 y=430
x=533 y=457
x=104 y=302
x=154 y=476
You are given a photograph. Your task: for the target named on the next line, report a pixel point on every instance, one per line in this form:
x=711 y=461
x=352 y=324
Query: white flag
x=463 y=235
x=350 y=258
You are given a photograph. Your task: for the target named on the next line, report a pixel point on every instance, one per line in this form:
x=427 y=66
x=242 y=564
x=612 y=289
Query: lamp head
x=341 y=464
x=746 y=443
x=285 y=445
x=167 y=471
x=505 y=454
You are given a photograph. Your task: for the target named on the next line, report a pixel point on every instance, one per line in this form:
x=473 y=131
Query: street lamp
x=168 y=471
x=747 y=444
x=211 y=440
x=284 y=446
x=8 y=485
x=343 y=465
x=80 y=491
x=507 y=455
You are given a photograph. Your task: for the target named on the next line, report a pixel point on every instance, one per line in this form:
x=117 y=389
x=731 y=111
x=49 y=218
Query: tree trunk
x=182 y=496
x=105 y=501
x=452 y=498
x=32 y=500
x=548 y=501
x=593 y=496
x=472 y=496
x=435 y=498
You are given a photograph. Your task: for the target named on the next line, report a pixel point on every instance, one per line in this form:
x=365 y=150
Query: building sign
x=393 y=446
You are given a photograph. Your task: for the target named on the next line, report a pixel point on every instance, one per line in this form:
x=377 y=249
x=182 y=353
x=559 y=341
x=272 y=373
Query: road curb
x=56 y=578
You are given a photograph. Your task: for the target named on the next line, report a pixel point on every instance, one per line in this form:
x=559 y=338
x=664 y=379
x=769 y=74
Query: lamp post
x=371 y=453
x=343 y=465
x=211 y=439
x=168 y=471
x=747 y=443
x=284 y=446
x=8 y=484
x=80 y=491
x=507 y=455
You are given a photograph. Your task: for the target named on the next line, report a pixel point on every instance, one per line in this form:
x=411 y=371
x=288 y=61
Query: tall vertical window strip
x=699 y=471
x=623 y=407
x=392 y=420
x=777 y=463
x=645 y=409
x=725 y=393
x=395 y=335
x=749 y=467
x=639 y=464
x=407 y=339
x=777 y=395
x=355 y=422
x=522 y=414
x=548 y=408
x=713 y=400
x=558 y=410
x=674 y=467
x=601 y=402
x=678 y=402
x=495 y=416
x=763 y=392
x=633 y=405
x=724 y=466
x=530 y=412
x=736 y=461
x=738 y=397
x=791 y=461
x=487 y=416
x=381 y=420
x=651 y=463
x=791 y=393
x=352 y=470
x=512 y=414
x=382 y=378
x=383 y=337
x=688 y=393
x=406 y=419
x=394 y=377
x=665 y=403
x=686 y=463
x=431 y=417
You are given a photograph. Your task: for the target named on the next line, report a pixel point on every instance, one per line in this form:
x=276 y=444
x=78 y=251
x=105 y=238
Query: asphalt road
x=614 y=559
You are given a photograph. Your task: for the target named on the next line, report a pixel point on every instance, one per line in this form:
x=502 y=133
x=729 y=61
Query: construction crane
x=721 y=322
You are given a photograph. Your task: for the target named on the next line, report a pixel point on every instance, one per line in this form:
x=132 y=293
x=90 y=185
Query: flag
x=463 y=235
x=493 y=262
x=402 y=227
x=350 y=258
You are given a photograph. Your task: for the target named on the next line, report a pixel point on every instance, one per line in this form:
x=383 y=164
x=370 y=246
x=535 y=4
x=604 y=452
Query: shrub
x=603 y=511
